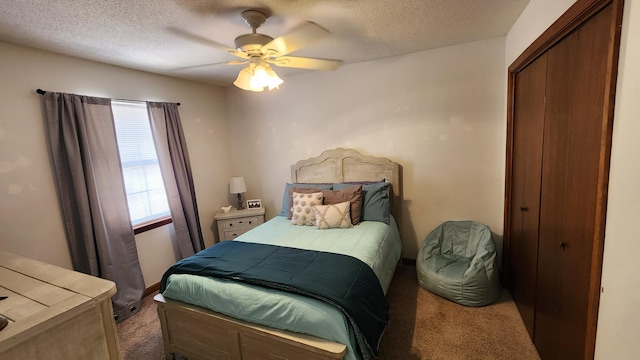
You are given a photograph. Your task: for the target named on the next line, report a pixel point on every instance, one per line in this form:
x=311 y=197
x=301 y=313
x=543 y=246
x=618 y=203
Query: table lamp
x=237 y=186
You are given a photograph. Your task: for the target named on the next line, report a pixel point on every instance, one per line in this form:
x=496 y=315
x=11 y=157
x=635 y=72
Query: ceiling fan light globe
x=260 y=77
x=274 y=79
x=243 y=81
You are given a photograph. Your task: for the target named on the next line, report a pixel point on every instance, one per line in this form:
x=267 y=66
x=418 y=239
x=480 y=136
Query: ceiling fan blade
x=305 y=63
x=232 y=62
x=239 y=54
x=204 y=41
x=238 y=62
x=296 y=39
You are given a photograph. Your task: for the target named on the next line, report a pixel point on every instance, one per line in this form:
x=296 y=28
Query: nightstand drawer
x=240 y=223
x=230 y=235
x=234 y=223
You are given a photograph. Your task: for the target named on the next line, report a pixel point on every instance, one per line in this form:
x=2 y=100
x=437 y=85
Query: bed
x=201 y=322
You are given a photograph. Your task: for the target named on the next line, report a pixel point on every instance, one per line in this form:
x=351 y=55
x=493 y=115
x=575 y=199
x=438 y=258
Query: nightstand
x=236 y=222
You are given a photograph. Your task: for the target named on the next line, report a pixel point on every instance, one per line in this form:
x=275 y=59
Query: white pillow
x=333 y=216
x=302 y=210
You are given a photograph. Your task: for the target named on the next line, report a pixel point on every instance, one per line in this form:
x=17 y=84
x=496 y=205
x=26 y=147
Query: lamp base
x=240 y=207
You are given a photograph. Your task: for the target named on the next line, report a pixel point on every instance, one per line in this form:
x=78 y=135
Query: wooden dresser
x=54 y=313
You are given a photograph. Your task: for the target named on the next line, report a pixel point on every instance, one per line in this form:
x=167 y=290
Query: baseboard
x=151 y=289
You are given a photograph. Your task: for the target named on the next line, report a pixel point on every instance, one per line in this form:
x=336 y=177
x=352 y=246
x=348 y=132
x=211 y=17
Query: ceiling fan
x=259 y=51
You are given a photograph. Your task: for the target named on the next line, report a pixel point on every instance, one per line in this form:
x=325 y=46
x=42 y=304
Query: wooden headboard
x=343 y=165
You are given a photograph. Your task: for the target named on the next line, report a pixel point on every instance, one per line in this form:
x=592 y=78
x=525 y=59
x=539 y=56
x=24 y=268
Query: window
x=146 y=195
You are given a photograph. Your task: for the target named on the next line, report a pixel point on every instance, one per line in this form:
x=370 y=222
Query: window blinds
x=146 y=195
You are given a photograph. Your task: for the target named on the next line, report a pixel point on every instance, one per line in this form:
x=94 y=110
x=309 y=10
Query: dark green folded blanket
x=340 y=280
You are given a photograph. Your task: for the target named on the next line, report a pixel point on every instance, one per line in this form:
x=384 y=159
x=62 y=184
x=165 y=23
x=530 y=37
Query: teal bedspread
x=375 y=243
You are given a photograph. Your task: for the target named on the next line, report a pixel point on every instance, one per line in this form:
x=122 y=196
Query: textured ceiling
x=154 y=35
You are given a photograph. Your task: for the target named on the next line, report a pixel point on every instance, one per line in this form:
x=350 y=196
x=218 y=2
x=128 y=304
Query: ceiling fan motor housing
x=251 y=43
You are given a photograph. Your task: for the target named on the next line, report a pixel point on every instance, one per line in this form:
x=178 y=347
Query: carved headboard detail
x=344 y=165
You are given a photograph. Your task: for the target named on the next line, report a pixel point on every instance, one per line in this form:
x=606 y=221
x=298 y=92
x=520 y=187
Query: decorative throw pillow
x=352 y=194
x=286 y=197
x=301 y=190
x=303 y=208
x=333 y=216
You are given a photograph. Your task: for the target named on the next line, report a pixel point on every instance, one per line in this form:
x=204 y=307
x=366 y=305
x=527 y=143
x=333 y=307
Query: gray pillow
x=376 y=205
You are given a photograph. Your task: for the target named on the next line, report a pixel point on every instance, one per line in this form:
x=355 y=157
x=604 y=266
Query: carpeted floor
x=139 y=336
x=423 y=326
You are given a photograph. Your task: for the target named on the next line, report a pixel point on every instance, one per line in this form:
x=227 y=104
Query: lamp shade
x=237 y=185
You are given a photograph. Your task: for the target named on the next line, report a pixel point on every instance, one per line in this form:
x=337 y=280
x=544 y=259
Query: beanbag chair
x=457 y=261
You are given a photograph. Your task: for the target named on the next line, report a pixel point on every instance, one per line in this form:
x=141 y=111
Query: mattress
x=375 y=243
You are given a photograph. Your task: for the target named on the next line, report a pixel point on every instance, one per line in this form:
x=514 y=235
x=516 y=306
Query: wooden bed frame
x=199 y=333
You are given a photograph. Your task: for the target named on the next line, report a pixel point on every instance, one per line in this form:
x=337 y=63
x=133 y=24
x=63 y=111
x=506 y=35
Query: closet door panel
x=525 y=198
x=574 y=115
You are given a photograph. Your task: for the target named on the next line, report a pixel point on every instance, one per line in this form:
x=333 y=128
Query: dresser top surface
x=37 y=292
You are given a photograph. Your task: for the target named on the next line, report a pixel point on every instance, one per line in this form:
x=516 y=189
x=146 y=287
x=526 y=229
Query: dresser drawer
x=240 y=223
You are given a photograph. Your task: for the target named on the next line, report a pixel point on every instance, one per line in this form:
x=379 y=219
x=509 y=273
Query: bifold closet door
x=574 y=116
x=528 y=124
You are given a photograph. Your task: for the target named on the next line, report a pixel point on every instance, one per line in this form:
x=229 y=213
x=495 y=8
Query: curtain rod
x=42 y=92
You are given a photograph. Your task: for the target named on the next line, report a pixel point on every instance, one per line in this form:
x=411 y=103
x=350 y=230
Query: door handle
x=562 y=245
x=524 y=208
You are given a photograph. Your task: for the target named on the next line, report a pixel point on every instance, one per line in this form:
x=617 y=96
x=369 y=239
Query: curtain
x=93 y=199
x=176 y=173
